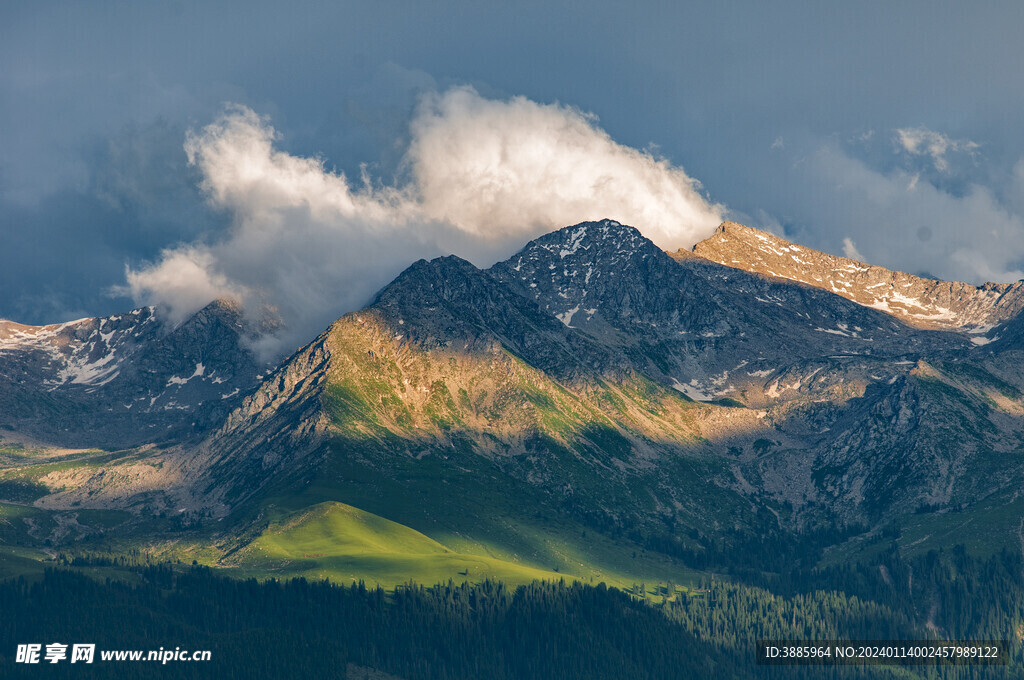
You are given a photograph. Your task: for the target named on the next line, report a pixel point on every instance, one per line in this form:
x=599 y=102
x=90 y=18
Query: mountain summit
x=703 y=328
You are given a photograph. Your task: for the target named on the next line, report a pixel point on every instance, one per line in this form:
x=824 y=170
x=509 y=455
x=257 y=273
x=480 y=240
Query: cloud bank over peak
x=517 y=165
x=482 y=176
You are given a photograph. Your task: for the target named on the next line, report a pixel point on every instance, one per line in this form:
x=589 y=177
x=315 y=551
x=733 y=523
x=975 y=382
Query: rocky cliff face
x=919 y=302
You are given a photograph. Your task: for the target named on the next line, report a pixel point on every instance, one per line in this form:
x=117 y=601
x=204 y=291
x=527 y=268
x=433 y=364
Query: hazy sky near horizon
x=887 y=131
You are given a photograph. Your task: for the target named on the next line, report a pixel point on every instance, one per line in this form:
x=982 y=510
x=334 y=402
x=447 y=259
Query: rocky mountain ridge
x=923 y=303
x=126 y=379
x=702 y=328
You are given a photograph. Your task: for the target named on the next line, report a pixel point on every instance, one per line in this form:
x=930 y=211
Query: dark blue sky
x=888 y=130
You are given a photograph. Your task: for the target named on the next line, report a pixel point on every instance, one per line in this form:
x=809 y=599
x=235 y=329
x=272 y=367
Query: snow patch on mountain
x=198 y=373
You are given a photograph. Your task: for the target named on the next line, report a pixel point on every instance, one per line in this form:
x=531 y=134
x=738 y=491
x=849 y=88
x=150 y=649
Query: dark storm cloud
x=66 y=250
x=788 y=113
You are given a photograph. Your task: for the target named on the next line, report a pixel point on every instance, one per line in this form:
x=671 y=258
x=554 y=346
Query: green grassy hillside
x=344 y=544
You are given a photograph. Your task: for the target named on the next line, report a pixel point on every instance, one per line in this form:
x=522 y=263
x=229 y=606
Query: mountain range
x=591 y=406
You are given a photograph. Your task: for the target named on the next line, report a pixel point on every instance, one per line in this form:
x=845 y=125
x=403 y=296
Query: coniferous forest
x=302 y=629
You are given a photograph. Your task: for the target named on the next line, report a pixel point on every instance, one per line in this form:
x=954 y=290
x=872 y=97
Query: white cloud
x=924 y=142
x=186 y=280
x=850 y=250
x=518 y=167
x=484 y=176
